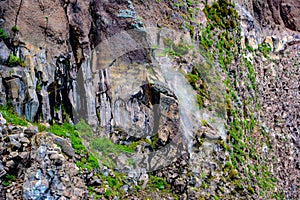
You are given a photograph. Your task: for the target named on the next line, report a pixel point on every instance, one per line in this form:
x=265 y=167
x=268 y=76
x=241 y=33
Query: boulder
x=65 y=146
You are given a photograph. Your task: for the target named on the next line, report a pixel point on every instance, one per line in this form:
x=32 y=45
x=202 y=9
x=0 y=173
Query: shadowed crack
x=18 y=12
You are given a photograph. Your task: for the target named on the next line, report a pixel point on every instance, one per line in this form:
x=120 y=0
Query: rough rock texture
x=20 y=91
x=280 y=104
x=278 y=85
x=274 y=14
x=284 y=13
x=51 y=175
x=42 y=169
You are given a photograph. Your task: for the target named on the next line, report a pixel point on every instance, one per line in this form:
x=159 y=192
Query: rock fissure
x=18 y=12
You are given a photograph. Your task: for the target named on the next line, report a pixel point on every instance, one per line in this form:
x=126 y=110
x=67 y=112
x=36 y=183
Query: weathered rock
x=57 y=158
x=9 y=196
x=14 y=88
x=58 y=45
x=24 y=156
x=4 y=52
x=14 y=144
x=65 y=146
x=95 y=182
x=24 y=140
x=2 y=120
x=10 y=164
x=2 y=171
x=273 y=12
x=50 y=174
x=30 y=131
x=2 y=93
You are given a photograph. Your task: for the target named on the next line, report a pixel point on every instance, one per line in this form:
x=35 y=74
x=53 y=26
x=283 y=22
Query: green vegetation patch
x=12 y=117
x=265 y=49
x=84 y=129
x=8 y=179
x=106 y=146
x=69 y=131
x=15 y=29
x=15 y=61
x=3 y=35
x=176 y=49
x=158 y=183
x=196 y=80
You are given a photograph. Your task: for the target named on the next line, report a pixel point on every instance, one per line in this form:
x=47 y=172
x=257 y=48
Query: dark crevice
x=74 y=44
x=18 y=12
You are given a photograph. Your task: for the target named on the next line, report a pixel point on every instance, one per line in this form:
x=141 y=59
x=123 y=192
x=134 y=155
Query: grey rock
x=14 y=144
x=13 y=154
x=13 y=88
x=24 y=156
x=24 y=140
x=35 y=189
x=9 y=196
x=30 y=131
x=96 y=182
x=99 y=190
x=2 y=93
x=65 y=146
x=2 y=170
x=2 y=120
x=10 y=164
x=32 y=102
x=4 y=52
x=57 y=158
x=49 y=165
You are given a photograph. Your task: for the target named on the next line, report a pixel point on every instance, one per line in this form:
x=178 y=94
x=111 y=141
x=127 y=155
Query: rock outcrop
x=42 y=169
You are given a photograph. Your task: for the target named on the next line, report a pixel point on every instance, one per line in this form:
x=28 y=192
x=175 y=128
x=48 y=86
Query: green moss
x=216 y=198
x=15 y=29
x=130 y=161
x=102 y=147
x=68 y=130
x=58 y=130
x=3 y=35
x=8 y=179
x=106 y=146
x=14 y=61
x=223 y=20
x=222 y=14
x=265 y=49
x=197 y=82
x=108 y=193
x=38 y=87
x=84 y=129
x=171 y=52
x=158 y=183
x=114 y=184
x=41 y=128
x=168 y=42
x=192 y=79
x=200 y=100
x=181 y=48
x=189 y=2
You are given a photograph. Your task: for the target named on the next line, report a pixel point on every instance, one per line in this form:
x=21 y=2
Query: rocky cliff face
x=137 y=72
